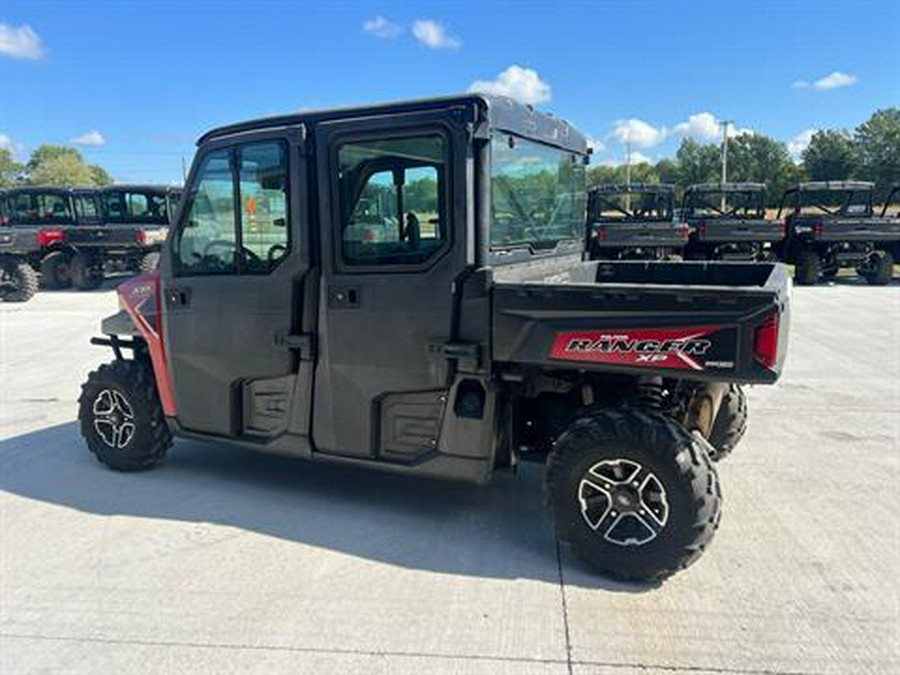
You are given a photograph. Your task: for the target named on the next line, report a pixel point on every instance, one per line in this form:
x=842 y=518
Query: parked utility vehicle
x=18 y=280
x=470 y=335
x=832 y=224
x=90 y=232
x=634 y=222
x=728 y=222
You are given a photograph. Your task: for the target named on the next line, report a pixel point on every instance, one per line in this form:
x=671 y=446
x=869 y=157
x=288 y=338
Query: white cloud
x=705 y=125
x=800 y=142
x=382 y=28
x=17 y=149
x=636 y=158
x=20 y=42
x=432 y=34
x=92 y=138
x=595 y=144
x=522 y=84
x=6 y=143
x=830 y=81
x=638 y=133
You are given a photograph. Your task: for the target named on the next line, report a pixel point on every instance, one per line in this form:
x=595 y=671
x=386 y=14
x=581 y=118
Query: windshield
x=537 y=194
x=725 y=204
x=624 y=206
x=135 y=206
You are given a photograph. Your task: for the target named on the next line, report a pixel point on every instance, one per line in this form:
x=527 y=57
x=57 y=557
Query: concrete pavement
x=225 y=561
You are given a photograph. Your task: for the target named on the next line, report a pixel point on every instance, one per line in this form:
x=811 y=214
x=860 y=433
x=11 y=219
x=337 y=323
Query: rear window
x=136 y=206
x=537 y=194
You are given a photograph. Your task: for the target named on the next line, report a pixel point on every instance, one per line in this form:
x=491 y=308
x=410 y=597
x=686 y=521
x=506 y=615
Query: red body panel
x=142 y=298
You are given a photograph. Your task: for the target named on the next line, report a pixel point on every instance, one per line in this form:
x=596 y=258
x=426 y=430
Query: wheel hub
x=623 y=501
x=113 y=419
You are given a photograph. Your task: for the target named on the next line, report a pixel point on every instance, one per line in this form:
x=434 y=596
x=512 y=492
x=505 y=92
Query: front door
x=392 y=199
x=234 y=276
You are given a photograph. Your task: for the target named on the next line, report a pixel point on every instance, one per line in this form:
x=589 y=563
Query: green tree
x=830 y=155
x=10 y=169
x=60 y=165
x=878 y=148
x=697 y=163
x=760 y=159
x=667 y=171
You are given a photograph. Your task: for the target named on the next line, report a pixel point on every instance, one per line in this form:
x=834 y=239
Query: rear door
x=234 y=287
x=392 y=210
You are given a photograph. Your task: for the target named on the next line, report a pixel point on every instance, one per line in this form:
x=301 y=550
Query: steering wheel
x=275 y=252
x=224 y=243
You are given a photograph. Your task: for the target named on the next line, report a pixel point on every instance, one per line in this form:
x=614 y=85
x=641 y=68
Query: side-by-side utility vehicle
x=728 y=222
x=833 y=224
x=87 y=232
x=18 y=246
x=468 y=334
x=634 y=222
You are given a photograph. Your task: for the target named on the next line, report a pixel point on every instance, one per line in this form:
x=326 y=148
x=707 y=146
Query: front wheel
x=880 y=268
x=807 y=269
x=121 y=416
x=633 y=493
x=87 y=275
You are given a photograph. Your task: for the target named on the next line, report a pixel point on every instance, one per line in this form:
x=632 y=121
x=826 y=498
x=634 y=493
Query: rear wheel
x=730 y=423
x=19 y=282
x=121 y=416
x=56 y=271
x=87 y=274
x=880 y=268
x=633 y=493
x=808 y=268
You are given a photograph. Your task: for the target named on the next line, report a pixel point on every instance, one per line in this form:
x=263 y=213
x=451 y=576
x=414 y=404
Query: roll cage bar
x=600 y=198
x=849 y=188
x=693 y=192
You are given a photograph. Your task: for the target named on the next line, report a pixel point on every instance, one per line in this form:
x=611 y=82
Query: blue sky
x=133 y=83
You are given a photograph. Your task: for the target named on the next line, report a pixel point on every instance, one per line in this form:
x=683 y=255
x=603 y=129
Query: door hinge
x=455 y=350
x=302 y=343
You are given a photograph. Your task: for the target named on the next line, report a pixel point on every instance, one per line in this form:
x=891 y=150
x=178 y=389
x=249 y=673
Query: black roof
x=727 y=187
x=836 y=185
x=622 y=188
x=499 y=112
x=138 y=187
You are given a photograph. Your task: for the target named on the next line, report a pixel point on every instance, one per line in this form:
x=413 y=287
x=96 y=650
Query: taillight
x=141 y=236
x=765 y=342
x=601 y=233
x=47 y=236
x=369 y=235
x=701 y=228
x=783 y=228
x=818 y=228
x=684 y=232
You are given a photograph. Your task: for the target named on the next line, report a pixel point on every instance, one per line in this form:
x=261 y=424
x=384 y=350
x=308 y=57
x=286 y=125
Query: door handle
x=177 y=297
x=344 y=296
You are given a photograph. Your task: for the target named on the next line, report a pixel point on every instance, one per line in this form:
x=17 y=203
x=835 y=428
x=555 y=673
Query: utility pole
x=183 y=171
x=628 y=172
x=724 y=124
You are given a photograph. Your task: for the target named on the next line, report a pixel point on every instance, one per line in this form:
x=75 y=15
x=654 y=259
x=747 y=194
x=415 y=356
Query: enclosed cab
x=833 y=224
x=634 y=222
x=19 y=247
x=405 y=287
x=728 y=222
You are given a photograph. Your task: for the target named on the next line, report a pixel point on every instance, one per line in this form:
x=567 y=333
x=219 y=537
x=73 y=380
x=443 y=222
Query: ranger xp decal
x=694 y=348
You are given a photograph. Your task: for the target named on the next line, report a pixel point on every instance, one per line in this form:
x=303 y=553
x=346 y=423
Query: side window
x=137 y=205
x=264 y=216
x=392 y=200
x=207 y=244
x=220 y=235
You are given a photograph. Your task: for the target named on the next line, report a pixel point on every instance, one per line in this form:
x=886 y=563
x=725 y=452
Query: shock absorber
x=649 y=393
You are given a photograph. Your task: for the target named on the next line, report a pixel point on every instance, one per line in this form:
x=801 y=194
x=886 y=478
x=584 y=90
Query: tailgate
x=728 y=230
x=859 y=229
x=613 y=235
x=105 y=235
x=701 y=321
